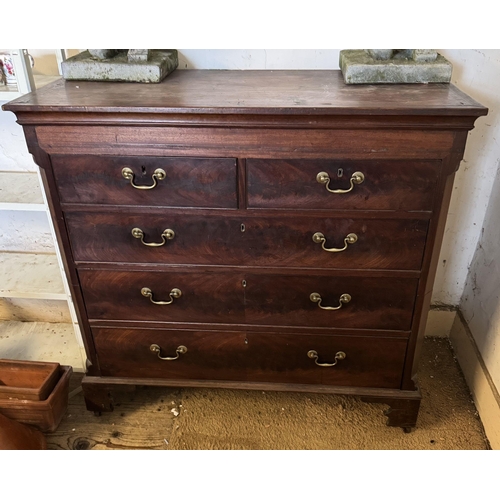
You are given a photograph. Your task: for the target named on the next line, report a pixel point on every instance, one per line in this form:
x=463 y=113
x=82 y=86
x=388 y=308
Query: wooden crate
x=30 y=380
x=44 y=415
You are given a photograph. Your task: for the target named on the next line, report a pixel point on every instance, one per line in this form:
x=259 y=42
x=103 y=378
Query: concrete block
x=84 y=66
x=360 y=67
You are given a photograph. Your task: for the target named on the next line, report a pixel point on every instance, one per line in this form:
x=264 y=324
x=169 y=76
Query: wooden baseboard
x=440 y=322
x=484 y=392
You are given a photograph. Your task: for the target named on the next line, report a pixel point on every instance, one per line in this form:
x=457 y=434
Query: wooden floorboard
x=142 y=419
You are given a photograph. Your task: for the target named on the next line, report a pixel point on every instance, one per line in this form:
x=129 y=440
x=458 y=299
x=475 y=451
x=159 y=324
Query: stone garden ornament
x=394 y=66
x=121 y=65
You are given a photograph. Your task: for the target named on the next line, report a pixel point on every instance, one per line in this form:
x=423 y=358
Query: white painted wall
x=20 y=231
x=474 y=226
x=25 y=231
x=476 y=72
x=258 y=59
x=480 y=303
x=14 y=154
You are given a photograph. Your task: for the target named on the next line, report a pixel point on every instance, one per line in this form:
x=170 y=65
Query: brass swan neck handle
x=157 y=349
x=158 y=175
x=350 y=239
x=168 y=234
x=175 y=293
x=345 y=298
x=324 y=178
x=338 y=357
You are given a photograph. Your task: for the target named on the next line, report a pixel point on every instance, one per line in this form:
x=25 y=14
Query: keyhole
x=143 y=169
x=244 y=283
x=340 y=172
x=243 y=228
x=246 y=341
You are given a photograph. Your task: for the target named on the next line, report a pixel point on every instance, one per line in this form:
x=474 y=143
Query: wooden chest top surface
x=250 y=92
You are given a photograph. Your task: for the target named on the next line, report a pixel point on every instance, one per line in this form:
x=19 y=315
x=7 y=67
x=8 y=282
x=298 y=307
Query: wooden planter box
x=44 y=415
x=29 y=380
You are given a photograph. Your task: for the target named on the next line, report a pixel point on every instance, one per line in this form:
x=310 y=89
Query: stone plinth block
x=358 y=67
x=84 y=66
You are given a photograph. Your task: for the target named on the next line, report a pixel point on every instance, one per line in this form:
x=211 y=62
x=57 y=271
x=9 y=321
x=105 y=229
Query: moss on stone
x=358 y=67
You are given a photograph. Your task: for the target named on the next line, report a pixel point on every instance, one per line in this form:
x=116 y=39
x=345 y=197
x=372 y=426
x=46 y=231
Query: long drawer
x=242 y=240
x=152 y=181
x=250 y=298
x=376 y=185
x=256 y=357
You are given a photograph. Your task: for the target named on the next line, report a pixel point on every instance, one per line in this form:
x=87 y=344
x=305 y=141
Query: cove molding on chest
x=273 y=230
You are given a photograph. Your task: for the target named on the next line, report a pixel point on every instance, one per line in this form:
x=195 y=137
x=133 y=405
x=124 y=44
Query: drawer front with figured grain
x=241 y=240
x=170 y=296
x=379 y=303
x=246 y=298
x=148 y=181
x=253 y=357
x=356 y=185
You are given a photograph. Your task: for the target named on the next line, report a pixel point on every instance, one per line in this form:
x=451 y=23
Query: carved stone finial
x=103 y=53
x=417 y=55
x=381 y=54
x=424 y=55
x=133 y=55
x=138 y=55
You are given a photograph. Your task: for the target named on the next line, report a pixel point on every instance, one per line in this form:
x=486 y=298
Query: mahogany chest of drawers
x=272 y=230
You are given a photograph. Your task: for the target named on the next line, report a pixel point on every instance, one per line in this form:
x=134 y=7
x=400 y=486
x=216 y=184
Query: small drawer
x=178 y=296
x=251 y=357
x=148 y=181
x=241 y=240
x=304 y=184
x=351 y=302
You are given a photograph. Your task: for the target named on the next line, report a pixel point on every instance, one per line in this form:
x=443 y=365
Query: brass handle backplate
x=168 y=234
x=157 y=349
x=158 y=175
x=345 y=298
x=348 y=240
x=356 y=178
x=338 y=357
x=175 y=293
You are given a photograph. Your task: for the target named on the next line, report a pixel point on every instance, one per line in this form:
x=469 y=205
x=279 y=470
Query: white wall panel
x=25 y=232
